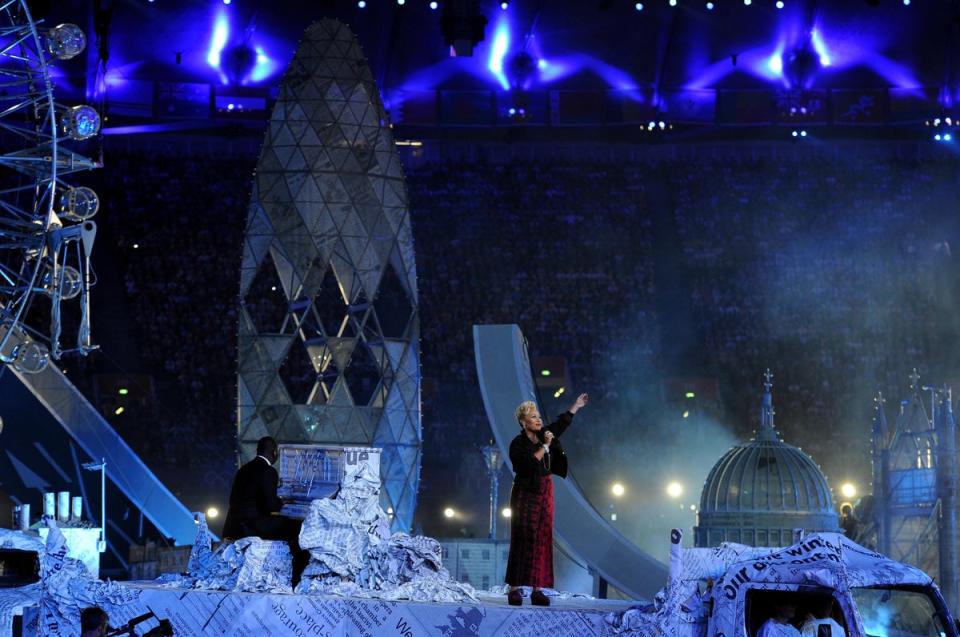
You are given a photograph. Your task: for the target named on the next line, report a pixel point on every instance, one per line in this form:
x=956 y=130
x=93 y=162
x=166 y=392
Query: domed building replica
x=761 y=491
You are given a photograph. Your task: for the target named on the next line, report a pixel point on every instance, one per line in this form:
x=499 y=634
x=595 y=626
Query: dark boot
x=515 y=597
x=539 y=599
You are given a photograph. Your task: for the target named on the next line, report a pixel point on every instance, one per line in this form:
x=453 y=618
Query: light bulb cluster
x=943 y=127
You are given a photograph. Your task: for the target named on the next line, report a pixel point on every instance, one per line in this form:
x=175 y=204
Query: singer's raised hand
x=580 y=402
x=547 y=436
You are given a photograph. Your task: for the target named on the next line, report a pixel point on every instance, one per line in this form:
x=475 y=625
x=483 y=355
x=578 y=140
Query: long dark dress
x=530 y=562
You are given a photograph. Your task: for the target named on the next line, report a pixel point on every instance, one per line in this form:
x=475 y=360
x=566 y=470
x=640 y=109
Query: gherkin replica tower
x=328 y=320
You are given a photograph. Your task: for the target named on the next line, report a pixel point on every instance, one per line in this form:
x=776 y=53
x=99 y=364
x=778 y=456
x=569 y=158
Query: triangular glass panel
x=297 y=373
x=265 y=301
x=329 y=304
x=362 y=375
x=392 y=305
x=252 y=428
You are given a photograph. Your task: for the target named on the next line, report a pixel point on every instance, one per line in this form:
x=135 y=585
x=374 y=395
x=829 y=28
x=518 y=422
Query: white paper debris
x=353 y=553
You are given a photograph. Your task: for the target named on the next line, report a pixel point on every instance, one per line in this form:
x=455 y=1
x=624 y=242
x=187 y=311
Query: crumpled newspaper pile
x=664 y=618
x=353 y=553
x=679 y=609
x=249 y=565
x=66 y=587
x=13 y=600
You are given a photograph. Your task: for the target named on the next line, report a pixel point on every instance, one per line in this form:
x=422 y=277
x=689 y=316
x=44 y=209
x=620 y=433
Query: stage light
x=544 y=372
x=848 y=490
x=906 y=3
x=501 y=43
x=123 y=391
x=66 y=41
x=674 y=489
x=434 y=5
x=638 y=6
x=81 y=122
x=504 y=6
x=617 y=489
x=779 y=4
x=662 y=124
x=507 y=512
x=136 y=246
x=747 y=2
x=542 y=64
x=118 y=411
x=686 y=414
x=775 y=63
x=389 y=510
x=227 y=1
x=948 y=121
x=221 y=32
x=213 y=512
x=709 y=6
x=449 y=513
x=690 y=394
x=947 y=137
x=803 y=133
x=673 y=3
x=937 y=137
x=79 y=204
x=362 y=4
x=401 y=2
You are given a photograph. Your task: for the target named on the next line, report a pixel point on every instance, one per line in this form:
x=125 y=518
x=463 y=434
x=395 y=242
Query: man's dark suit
x=252 y=499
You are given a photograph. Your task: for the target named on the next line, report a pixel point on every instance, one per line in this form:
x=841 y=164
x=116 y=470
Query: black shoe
x=515 y=597
x=539 y=599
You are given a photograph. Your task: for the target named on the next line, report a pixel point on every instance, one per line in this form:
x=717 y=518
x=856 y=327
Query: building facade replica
x=328 y=323
x=915 y=484
x=762 y=491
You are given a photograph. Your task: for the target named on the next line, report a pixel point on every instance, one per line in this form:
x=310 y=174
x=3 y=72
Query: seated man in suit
x=253 y=498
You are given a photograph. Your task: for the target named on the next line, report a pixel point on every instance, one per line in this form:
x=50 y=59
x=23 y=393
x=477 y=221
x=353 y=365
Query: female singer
x=535 y=454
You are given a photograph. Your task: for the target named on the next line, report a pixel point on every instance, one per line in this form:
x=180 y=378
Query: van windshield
x=893 y=612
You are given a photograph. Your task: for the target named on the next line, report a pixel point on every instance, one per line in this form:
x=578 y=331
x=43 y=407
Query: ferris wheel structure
x=46 y=227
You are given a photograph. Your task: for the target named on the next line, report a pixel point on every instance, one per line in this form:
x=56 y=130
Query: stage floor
x=197 y=612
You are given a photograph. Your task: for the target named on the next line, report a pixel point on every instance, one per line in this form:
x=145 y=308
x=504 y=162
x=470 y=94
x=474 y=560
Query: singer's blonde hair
x=525 y=409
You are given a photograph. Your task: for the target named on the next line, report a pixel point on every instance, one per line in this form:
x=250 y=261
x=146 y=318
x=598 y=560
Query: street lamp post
x=493 y=458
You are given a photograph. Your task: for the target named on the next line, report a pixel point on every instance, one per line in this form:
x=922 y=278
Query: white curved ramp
x=503 y=369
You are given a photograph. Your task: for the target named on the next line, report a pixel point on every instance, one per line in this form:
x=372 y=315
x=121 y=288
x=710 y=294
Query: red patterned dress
x=530 y=562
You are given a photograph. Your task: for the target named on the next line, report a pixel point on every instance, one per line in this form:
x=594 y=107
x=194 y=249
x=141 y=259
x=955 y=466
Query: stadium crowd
x=835 y=274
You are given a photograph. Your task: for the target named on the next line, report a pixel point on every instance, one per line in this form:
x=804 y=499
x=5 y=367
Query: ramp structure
x=503 y=369
x=98 y=440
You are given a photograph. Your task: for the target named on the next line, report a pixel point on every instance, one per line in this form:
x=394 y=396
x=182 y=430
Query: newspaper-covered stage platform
x=362 y=580
x=235 y=614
